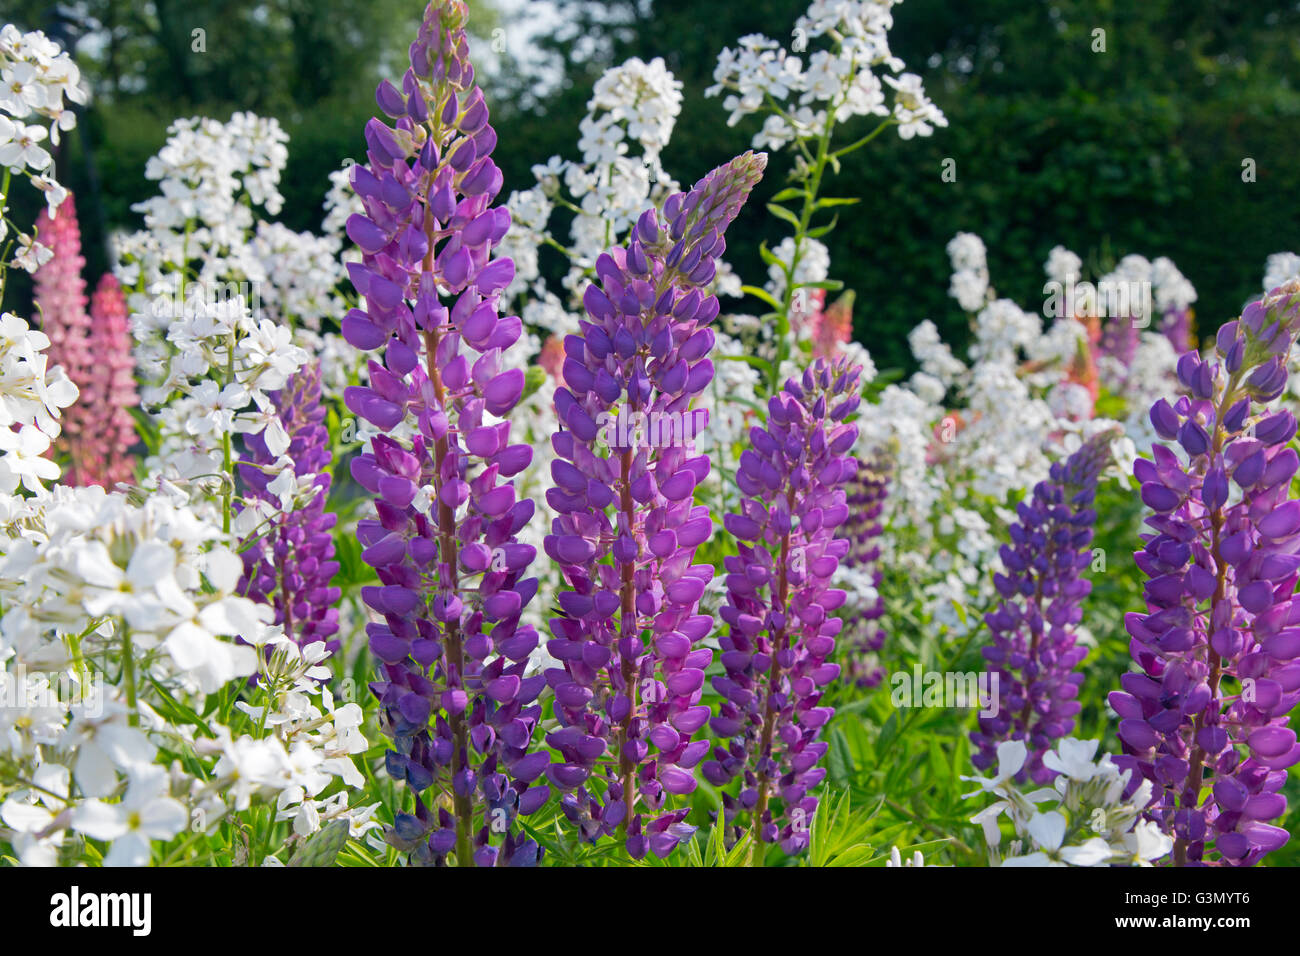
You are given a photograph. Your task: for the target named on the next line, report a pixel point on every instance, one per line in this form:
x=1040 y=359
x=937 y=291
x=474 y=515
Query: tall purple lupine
x=628 y=694
x=863 y=635
x=781 y=629
x=456 y=701
x=290 y=564
x=1218 y=646
x=1033 y=653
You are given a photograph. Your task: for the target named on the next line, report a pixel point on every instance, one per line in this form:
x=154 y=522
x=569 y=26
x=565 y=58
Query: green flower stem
x=128 y=679
x=813 y=181
x=228 y=474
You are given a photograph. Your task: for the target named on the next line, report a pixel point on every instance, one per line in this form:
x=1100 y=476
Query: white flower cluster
x=31 y=397
x=221 y=365
x=970 y=271
x=96 y=585
x=341 y=201
x=800 y=100
x=896 y=859
x=636 y=101
x=1063 y=266
x=311 y=743
x=1083 y=819
x=1149 y=373
x=35 y=79
x=226 y=306
x=966 y=438
x=1281 y=268
x=85 y=556
x=204 y=171
x=1170 y=289
x=814 y=265
x=630 y=118
x=307 y=270
x=196 y=244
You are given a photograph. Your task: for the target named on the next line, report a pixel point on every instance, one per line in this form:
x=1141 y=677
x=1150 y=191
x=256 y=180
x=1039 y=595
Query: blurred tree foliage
x=1139 y=148
x=1135 y=149
x=312 y=64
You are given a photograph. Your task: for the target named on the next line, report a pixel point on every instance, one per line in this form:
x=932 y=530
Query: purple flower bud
x=390 y=99
x=1214 y=490
x=1276 y=429
x=366 y=234
x=1165 y=420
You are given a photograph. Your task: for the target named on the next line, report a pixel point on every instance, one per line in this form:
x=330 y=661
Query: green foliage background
x=1137 y=149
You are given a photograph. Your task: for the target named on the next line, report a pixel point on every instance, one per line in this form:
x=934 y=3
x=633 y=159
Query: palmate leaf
x=714 y=852
x=837 y=837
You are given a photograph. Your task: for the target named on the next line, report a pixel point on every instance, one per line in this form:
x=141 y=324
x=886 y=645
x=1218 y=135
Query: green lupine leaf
x=763 y=294
x=782 y=213
x=827 y=201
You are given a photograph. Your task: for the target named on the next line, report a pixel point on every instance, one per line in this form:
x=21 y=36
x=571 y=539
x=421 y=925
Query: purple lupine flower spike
x=628 y=694
x=863 y=636
x=290 y=565
x=456 y=701
x=1120 y=337
x=1033 y=654
x=1219 y=649
x=781 y=630
x=1176 y=325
